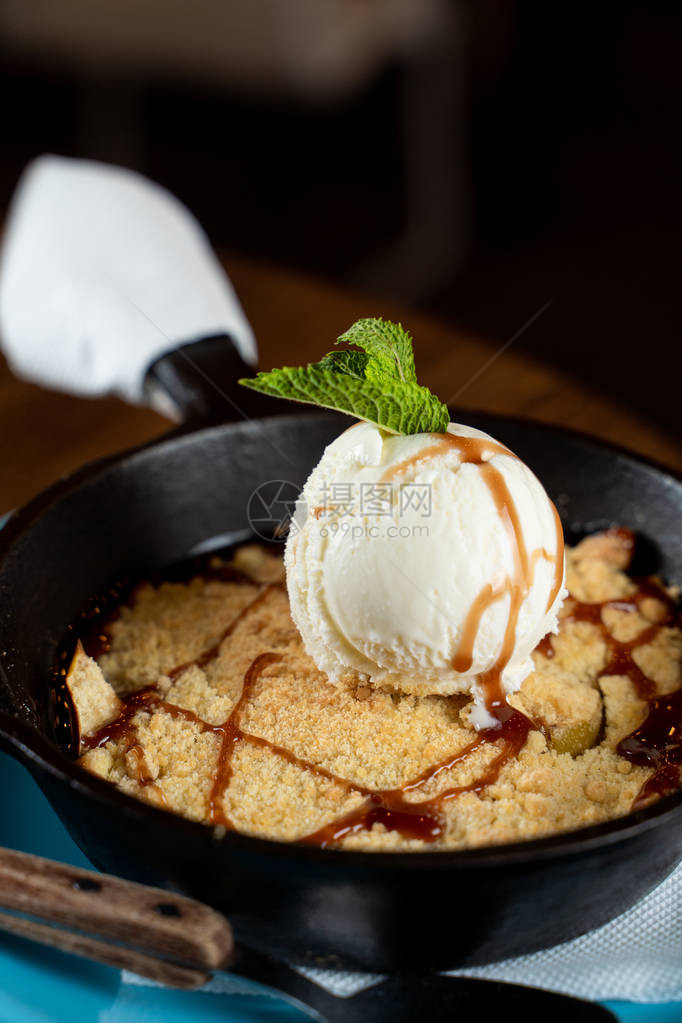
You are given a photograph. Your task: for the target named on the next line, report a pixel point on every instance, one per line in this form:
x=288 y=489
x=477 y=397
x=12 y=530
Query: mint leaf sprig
x=375 y=381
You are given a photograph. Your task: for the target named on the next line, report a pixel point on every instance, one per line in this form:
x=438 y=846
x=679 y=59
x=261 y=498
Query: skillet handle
x=125 y=275
x=441 y=999
x=197 y=383
x=167 y=937
x=432 y=997
x=177 y=941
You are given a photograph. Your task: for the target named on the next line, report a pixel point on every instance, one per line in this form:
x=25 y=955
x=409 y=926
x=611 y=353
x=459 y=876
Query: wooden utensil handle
x=168 y=937
x=105 y=952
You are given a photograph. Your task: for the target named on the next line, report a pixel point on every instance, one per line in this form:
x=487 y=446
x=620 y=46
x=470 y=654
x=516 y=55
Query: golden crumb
x=612 y=547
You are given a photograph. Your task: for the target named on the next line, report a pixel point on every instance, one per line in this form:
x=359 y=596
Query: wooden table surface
x=295 y=319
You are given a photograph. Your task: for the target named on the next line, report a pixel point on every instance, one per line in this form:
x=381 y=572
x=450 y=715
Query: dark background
x=508 y=154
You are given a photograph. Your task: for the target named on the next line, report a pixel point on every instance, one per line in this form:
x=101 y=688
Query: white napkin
x=636 y=958
x=101 y=272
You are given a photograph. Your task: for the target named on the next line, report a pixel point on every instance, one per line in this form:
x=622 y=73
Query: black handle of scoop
x=431 y=997
x=198 y=382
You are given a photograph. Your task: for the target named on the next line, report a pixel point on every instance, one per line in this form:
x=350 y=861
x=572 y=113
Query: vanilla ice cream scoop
x=430 y=563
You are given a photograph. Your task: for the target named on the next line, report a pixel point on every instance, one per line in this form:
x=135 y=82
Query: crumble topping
x=305 y=753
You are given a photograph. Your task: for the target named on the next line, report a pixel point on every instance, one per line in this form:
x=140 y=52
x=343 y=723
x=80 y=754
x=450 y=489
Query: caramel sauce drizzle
x=122 y=729
x=657 y=742
x=393 y=808
x=211 y=652
x=464 y=655
x=95 y=632
x=422 y=820
x=545 y=646
x=478 y=451
x=470 y=449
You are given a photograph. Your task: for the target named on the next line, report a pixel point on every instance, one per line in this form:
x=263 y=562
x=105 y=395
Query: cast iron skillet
x=380 y=912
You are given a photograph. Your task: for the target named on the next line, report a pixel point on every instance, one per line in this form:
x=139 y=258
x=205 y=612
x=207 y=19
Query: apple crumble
x=198 y=697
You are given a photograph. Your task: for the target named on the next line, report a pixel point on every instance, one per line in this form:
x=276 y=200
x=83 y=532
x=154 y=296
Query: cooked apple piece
x=569 y=714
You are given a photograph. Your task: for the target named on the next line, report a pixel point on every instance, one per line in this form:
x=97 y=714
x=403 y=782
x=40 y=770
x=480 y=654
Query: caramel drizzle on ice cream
x=517 y=584
x=470 y=449
x=464 y=655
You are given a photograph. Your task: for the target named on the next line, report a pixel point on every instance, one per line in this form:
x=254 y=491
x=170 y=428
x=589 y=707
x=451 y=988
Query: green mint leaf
x=402 y=408
x=350 y=362
x=378 y=383
x=388 y=344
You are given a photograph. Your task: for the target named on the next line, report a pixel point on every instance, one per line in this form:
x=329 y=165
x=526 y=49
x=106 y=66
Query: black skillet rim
x=39 y=751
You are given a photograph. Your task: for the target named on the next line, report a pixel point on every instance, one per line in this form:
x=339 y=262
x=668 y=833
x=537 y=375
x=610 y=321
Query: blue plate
x=41 y=985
